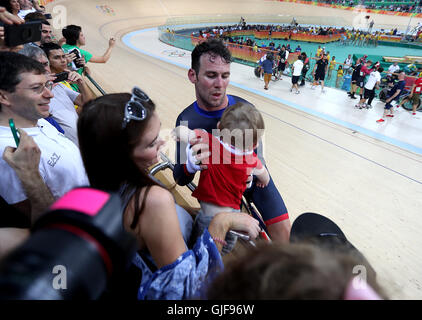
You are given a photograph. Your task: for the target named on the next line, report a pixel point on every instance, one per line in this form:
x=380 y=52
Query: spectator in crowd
x=75 y=39
x=415 y=95
x=319 y=264
x=394 y=68
x=122 y=131
x=319 y=52
x=284 y=55
x=360 y=71
x=38 y=54
x=46 y=32
x=268 y=66
x=261 y=69
x=25 y=161
x=347 y=80
x=210 y=73
x=26 y=6
x=305 y=69
x=7 y=17
x=347 y=63
x=331 y=67
x=25 y=94
x=339 y=75
x=319 y=71
x=296 y=73
x=66 y=103
x=371 y=85
x=11 y=6
x=393 y=94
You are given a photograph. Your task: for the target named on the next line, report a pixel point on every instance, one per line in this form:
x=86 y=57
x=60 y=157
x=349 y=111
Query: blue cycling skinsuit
x=267 y=200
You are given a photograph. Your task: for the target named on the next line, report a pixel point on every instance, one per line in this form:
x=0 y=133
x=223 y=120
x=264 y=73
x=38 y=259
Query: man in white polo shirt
x=297 y=72
x=371 y=85
x=25 y=94
x=394 y=68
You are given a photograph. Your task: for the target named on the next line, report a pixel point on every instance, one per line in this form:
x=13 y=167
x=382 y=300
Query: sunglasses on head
x=134 y=108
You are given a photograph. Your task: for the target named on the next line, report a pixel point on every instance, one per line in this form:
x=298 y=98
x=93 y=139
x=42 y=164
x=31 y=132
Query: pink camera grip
x=85 y=200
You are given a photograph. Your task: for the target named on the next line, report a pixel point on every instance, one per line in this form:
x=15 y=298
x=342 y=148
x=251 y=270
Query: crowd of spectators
x=67 y=138
x=415 y=6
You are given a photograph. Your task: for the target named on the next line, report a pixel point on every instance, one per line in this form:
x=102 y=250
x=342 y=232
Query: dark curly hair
x=212 y=46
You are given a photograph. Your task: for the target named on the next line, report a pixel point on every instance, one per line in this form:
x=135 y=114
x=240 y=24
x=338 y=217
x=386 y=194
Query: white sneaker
x=313 y=87
x=323 y=91
x=297 y=91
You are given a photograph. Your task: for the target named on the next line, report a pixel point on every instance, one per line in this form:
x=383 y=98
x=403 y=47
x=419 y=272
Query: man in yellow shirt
x=318 y=52
x=331 y=67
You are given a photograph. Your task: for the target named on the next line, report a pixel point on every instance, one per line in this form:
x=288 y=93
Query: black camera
x=78 y=56
x=15 y=35
x=77 y=250
x=62 y=76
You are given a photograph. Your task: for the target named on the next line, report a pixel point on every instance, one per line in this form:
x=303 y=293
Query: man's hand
x=183 y=133
x=70 y=57
x=111 y=42
x=195 y=153
x=26 y=158
x=81 y=61
x=3 y=47
x=75 y=78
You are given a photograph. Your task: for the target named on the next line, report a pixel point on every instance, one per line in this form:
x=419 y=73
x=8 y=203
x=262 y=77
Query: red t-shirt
x=224 y=182
x=418 y=86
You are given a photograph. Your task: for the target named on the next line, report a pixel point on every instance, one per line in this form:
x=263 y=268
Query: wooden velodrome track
x=371 y=189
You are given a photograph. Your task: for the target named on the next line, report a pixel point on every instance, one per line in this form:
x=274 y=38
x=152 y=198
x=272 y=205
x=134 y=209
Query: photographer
x=62 y=105
x=7 y=18
x=76 y=39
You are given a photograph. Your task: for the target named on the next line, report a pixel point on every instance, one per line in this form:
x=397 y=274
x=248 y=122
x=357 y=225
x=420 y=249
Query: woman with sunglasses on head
x=119 y=140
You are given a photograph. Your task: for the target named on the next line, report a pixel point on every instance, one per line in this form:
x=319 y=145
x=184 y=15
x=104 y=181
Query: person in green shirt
x=75 y=39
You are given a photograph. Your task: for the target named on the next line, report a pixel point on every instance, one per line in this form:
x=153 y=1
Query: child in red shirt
x=231 y=162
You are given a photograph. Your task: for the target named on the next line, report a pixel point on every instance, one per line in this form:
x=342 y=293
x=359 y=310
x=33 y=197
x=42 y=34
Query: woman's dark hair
x=71 y=34
x=214 y=47
x=6 y=4
x=106 y=148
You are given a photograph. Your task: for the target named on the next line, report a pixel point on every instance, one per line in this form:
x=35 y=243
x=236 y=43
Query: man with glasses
x=25 y=94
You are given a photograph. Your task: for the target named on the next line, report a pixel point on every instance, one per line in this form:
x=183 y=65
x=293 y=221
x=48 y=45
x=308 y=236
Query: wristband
x=191 y=166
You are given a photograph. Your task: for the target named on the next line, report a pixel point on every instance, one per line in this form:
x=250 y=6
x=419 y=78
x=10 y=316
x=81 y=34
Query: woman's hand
x=238 y=221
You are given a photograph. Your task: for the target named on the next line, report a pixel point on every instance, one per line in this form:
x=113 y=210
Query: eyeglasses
x=40 y=88
x=134 y=109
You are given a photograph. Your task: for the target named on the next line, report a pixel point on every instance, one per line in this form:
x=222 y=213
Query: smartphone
x=14 y=132
x=15 y=35
x=48 y=16
x=62 y=76
x=78 y=56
